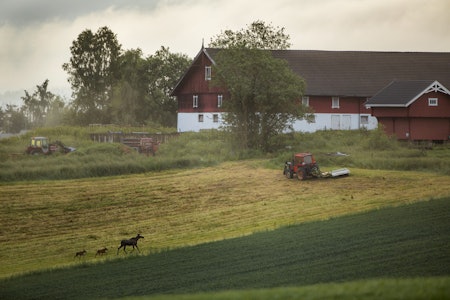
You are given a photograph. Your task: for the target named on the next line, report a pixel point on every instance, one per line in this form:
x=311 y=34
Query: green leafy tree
x=129 y=92
x=14 y=119
x=264 y=92
x=164 y=70
x=142 y=94
x=257 y=35
x=37 y=105
x=93 y=70
x=57 y=113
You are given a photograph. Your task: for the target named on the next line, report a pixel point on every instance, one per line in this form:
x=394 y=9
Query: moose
x=101 y=251
x=131 y=242
x=80 y=253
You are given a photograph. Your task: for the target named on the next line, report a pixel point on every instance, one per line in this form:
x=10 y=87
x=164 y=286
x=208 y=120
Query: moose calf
x=81 y=253
x=101 y=251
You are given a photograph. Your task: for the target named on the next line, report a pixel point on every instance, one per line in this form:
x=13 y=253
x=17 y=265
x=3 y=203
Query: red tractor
x=304 y=166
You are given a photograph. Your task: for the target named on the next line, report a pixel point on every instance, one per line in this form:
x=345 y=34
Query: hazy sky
x=36 y=35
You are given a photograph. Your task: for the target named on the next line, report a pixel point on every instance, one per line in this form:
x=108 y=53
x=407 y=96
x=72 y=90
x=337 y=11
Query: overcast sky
x=36 y=35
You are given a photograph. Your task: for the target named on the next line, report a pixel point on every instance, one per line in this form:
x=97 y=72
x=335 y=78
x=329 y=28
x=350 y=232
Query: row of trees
x=41 y=108
x=110 y=85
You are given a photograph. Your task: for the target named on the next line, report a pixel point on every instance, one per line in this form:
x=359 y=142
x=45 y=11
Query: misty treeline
x=109 y=86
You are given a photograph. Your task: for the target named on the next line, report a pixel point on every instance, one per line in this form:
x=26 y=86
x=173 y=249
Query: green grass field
x=236 y=226
x=409 y=241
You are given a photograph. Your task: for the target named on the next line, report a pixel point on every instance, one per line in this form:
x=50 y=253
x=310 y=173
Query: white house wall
x=190 y=122
x=336 y=122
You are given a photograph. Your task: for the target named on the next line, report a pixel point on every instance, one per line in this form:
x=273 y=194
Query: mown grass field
x=241 y=205
x=45 y=223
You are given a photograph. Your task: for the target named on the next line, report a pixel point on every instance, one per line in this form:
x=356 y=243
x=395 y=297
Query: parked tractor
x=304 y=166
x=41 y=145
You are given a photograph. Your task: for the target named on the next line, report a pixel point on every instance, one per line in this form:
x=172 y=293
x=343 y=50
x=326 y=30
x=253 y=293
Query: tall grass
x=363 y=149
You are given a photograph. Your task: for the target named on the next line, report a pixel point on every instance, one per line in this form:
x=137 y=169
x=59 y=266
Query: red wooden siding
x=430 y=129
x=196 y=84
x=420 y=107
x=347 y=105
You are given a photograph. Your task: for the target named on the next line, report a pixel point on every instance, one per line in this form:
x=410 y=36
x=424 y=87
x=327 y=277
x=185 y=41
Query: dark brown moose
x=131 y=242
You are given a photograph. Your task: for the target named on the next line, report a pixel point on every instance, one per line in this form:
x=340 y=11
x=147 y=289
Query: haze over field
x=37 y=34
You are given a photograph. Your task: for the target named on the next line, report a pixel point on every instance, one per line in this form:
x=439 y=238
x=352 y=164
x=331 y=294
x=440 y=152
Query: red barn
x=338 y=85
x=413 y=110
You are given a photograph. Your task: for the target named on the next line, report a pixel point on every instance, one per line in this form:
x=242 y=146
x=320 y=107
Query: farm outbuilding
x=340 y=86
x=413 y=110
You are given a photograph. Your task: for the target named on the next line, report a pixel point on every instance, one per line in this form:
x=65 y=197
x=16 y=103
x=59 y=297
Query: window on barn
x=200 y=118
x=305 y=101
x=432 y=101
x=195 y=101
x=219 y=100
x=207 y=72
x=215 y=118
x=335 y=102
x=364 y=120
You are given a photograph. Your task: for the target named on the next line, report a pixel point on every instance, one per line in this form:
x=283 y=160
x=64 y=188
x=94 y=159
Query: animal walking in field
x=131 y=242
x=80 y=254
x=101 y=251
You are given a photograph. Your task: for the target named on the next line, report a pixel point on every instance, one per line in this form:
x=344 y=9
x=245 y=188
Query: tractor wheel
x=288 y=174
x=301 y=175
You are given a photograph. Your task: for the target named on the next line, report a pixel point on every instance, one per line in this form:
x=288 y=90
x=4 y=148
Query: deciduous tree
x=38 y=104
x=257 y=35
x=264 y=92
x=164 y=70
x=93 y=70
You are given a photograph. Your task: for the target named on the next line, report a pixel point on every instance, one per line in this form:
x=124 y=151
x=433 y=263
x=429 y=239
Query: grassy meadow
x=215 y=219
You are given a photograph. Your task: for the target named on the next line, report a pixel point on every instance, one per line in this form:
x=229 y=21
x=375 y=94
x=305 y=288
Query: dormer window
x=207 y=72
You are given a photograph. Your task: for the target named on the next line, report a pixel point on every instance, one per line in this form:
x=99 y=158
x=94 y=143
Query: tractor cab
x=303 y=159
x=40 y=145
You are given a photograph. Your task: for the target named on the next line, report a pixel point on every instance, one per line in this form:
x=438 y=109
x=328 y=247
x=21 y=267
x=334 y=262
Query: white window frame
x=215 y=118
x=195 y=101
x=305 y=100
x=335 y=102
x=201 y=118
x=432 y=101
x=207 y=72
x=219 y=100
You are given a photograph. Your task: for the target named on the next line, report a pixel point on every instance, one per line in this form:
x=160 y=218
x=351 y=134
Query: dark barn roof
x=399 y=93
x=361 y=73
x=403 y=93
